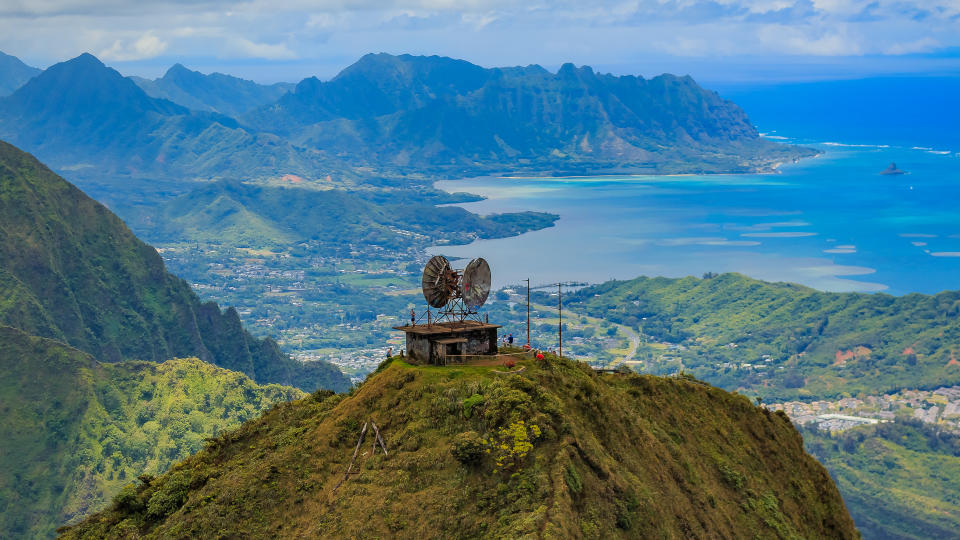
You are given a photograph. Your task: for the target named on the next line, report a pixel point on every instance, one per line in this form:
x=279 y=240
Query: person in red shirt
x=539 y=355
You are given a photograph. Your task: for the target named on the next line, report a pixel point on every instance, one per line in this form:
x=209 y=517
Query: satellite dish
x=476 y=283
x=439 y=281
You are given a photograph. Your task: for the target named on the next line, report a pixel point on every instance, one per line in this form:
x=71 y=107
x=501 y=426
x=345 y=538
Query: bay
x=831 y=222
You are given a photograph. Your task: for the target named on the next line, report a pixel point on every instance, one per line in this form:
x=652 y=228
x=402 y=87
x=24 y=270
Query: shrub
x=171 y=495
x=476 y=400
x=509 y=363
x=128 y=501
x=467 y=448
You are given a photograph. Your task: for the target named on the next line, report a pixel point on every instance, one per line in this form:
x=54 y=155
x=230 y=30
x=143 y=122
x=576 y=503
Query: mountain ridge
x=393 y=115
x=214 y=92
x=71 y=270
x=473 y=452
x=426 y=111
x=84 y=117
x=14 y=73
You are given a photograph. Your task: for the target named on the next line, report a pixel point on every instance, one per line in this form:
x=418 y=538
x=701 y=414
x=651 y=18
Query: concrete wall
x=418 y=348
x=424 y=349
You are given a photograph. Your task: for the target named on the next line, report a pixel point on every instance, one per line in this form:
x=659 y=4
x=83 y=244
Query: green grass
x=625 y=456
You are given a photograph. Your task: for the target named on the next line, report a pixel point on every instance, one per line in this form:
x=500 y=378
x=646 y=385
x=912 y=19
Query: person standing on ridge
x=510 y=339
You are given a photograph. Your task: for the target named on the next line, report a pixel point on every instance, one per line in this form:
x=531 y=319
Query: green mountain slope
x=901 y=480
x=245 y=214
x=72 y=271
x=572 y=454
x=215 y=92
x=14 y=73
x=76 y=430
x=806 y=343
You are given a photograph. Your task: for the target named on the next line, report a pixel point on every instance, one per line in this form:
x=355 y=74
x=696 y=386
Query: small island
x=892 y=169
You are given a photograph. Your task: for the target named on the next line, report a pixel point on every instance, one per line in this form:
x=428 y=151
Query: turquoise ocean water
x=830 y=222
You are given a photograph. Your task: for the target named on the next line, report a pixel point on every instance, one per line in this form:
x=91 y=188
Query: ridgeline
x=556 y=450
x=72 y=271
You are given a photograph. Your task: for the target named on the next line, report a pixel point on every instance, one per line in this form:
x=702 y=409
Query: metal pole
x=528 y=312
x=560 y=324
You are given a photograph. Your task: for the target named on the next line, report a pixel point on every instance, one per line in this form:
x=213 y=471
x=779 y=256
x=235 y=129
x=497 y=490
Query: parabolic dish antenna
x=476 y=283
x=439 y=282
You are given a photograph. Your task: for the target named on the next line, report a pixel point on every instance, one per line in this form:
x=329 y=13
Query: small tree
x=511 y=444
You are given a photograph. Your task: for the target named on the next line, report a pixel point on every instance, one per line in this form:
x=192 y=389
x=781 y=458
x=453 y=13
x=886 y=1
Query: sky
x=286 y=40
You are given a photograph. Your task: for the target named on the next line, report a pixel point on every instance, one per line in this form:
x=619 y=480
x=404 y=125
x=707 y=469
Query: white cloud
x=916 y=46
x=146 y=46
x=490 y=32
x=250 y=49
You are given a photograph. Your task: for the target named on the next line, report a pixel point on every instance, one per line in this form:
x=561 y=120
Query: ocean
x=831 y=222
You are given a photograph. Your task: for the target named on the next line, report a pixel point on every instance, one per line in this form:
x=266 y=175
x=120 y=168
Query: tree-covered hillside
x=75 y=430
x=555 y=450
x=234 y=213
x=901 y=481
x=72 y=271
x=783 y=341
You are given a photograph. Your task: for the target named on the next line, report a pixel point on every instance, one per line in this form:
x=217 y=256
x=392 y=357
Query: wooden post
x=354 y=459
x=378 y=438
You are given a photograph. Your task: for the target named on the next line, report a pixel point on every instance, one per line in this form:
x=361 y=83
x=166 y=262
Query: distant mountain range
x=384 y=114
x=216 y=92
x=414 y=111
x=70 y=270
x=14 y=73
x=81 y=115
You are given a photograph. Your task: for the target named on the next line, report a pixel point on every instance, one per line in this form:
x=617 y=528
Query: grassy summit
x=555 y=450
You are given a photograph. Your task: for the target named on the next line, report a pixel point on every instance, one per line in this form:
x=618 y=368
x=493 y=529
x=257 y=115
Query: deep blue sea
x=831 y=222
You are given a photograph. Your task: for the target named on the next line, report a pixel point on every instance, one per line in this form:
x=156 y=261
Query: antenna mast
x=560 y=323
x=528 y=312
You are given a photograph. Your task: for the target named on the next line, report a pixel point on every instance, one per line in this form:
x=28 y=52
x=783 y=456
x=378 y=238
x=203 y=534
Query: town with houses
x=940 y=407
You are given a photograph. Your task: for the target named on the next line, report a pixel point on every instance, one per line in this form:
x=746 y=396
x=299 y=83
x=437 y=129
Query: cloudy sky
x=713 y=40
